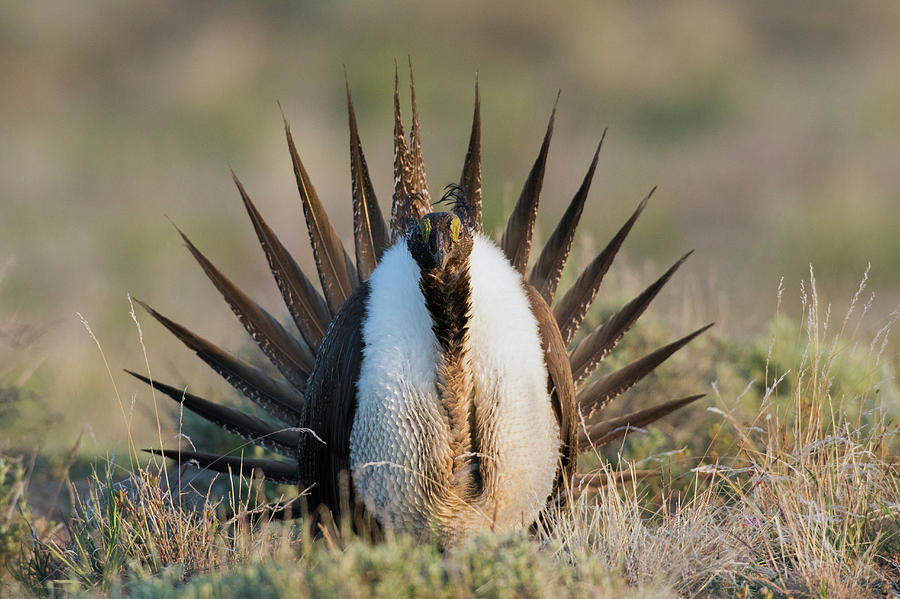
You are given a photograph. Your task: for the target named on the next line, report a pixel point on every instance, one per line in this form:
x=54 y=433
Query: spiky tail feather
x=338 y=275
x=370 y=233
x=274 y=438
x=516 y=240
x=277 y=471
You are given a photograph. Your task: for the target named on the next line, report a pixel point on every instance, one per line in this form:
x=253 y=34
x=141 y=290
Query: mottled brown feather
x=275 y=471
x=598 y=394
x=573 y=307
x=516 y=240
x=561 y=387
x=292 y=357
x=420 y=181
x=591 y=350
x=303 y=300
x=370 y=234
x=259 y=432
x=470 y=180
x=336 y=271
x=592 y=436
x=276 y=397
x=548 y=269
x=410 y=201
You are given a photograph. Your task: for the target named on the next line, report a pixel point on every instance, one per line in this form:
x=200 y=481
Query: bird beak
x=440 y=253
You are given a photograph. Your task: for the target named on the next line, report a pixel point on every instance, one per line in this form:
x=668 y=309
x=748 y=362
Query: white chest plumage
x=401 y=435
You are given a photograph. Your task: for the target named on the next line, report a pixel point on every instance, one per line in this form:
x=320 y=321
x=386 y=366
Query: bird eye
x=455 y=228
x=425 y=229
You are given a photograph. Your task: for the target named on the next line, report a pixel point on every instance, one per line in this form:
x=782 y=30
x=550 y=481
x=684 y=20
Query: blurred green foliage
x=772 y=128
x=14 y=512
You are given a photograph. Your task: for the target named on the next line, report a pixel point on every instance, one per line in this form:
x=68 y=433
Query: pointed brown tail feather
x=587 y=355
x=411 y=200
x=276 y=471
x=470 y=179
x=415 y=142
x=573 y=307
x=292 y=357
x=403 y=185
x=336 y=270
x=548 y=269
x=369 y=231
x=277 y=398
x=598 y=434
x=303 y=300
x=596 y=395
x=516 y=240
x=255 y=430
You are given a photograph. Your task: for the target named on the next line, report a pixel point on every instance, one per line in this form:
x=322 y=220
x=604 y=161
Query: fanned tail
x=312 y=313
x=546 y=272
x=281 y=440
x=570 y=311
x=293 y=357
x=415 y=143
x=598 y=394
x=304 y=302
x=588 y=354
x=336 y=270
x=573 y=307
x=607 y=431
x=275 y=397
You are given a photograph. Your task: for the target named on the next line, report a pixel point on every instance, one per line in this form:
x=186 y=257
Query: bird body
x=432 y=386
x=401 y=442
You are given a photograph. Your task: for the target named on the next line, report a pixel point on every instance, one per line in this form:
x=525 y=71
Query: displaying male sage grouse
x=433 y=387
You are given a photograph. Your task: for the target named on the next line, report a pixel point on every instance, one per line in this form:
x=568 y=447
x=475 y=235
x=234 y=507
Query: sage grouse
x=434 y=388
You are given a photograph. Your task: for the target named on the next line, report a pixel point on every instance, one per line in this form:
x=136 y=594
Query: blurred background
x=771 y=128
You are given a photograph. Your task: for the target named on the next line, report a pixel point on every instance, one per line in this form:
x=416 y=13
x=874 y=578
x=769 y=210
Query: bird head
x=439 y=241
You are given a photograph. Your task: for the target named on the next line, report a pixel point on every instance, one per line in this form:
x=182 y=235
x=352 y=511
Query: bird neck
x=448 y=298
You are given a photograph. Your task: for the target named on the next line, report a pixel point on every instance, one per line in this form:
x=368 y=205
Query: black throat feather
x=447 y=294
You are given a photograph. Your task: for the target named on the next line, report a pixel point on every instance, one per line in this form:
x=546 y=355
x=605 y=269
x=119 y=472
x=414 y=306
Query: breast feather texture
x=399 y=443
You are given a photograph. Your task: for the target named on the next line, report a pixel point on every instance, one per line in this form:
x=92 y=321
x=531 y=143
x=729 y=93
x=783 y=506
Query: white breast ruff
x=399 y=425
x=511 y=384
x=400 y=434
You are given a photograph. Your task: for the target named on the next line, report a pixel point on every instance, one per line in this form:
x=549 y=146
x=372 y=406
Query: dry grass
x=806 y=503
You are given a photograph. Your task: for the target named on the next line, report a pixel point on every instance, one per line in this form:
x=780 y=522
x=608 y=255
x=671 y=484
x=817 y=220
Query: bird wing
x=329 y=408
x=560 y=384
